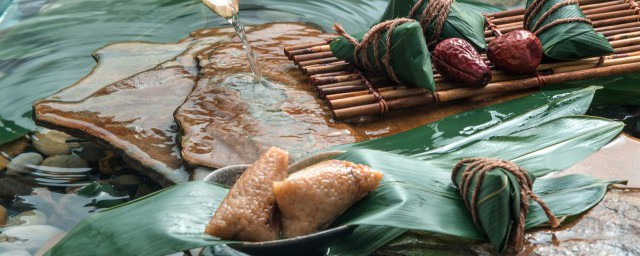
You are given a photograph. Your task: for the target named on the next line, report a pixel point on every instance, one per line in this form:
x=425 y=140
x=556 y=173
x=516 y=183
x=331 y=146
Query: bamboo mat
x=348 y=91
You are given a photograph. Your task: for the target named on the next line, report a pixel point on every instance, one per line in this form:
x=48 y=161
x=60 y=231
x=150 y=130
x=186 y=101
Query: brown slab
x=229 y=120
x=134 y=115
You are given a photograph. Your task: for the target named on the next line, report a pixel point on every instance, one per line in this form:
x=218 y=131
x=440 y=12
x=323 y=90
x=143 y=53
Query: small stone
x=23 y=164
x=143 y=190
x=10 y=187
x=12 y=149
x=29 y=238
x=89 y=151
x=3 y=215
x=65 y=161
x=28 y=218
x=52 y=143
x=127 y=180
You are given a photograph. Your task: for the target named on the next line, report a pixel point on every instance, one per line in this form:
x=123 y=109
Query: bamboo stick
x=317 y=61
x=339 y=73
x=627 y=49
x=361 y=92
x=302 y=46
x=621 y=31
x=334 y=79
x=315 y=49
x=313 y=56
x=340 y=84
x=461 y=93
x=369 y=98
x=324 y=68
x=617 y=26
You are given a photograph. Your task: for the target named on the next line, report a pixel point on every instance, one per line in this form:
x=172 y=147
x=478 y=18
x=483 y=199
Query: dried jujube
x=517 y=52
x=458 y=61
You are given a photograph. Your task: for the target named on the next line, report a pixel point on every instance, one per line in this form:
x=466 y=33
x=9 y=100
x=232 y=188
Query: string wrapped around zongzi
x=441 y=19
x=563 y=30
x=497 y=193
x=395 y=48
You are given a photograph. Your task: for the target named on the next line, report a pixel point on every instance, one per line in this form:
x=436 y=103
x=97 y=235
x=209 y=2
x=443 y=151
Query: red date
x=517 y=52
x=457 y=60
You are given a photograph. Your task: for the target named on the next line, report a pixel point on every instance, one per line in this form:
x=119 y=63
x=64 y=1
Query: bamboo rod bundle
x=342 y=86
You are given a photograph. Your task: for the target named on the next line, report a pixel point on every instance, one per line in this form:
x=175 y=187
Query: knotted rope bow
x=435 y=13
x=479 y=167
x=535 y=8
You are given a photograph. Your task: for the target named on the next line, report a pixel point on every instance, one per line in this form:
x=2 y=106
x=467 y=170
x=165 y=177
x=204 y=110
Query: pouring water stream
x=228 y=9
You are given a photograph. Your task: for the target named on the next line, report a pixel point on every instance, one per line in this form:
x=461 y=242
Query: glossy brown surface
x=310 y=199
x=457 y=60
x=517 y=52
x=229 y=119
x=11 y=149
x=133 y=114
x=247 y=212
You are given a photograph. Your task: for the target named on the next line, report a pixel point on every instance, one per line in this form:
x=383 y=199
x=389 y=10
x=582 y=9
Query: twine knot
x=433 y=15
x=479 y=167
x=532 y=10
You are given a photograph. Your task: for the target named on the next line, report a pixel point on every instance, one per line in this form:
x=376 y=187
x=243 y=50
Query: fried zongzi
x=246 y=213
x=310 y=199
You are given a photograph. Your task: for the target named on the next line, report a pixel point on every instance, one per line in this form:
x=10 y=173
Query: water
x=251 y=55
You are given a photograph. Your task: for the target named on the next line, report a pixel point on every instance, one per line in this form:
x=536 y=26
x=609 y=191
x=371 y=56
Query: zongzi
x=441 y=19
x=395 y=48
x=563 y=30
x=497 y=193
x=246 y=213
x=310 y=199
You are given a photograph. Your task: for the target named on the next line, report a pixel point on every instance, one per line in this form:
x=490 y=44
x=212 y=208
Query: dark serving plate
x=313 y=244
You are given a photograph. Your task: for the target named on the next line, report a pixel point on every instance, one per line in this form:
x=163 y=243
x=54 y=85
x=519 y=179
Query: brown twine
x=479 y=167
x=384 y=106
x=371 y=39
x=492 y=26
x=600 y=62
x=541 y=80
x=533 y=10
x=436 y=13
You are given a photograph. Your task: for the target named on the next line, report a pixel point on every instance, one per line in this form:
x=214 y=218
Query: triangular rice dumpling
x=410 y=58
x=566 y=41
x=498 y=204
x=462 y=21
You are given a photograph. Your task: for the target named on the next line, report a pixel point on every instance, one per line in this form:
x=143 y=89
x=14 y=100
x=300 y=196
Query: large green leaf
x=415 y=193
x=569 y=41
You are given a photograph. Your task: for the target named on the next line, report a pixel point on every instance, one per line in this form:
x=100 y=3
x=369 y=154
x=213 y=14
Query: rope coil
x=479 y=167
x=436 y=13
x=534 y=9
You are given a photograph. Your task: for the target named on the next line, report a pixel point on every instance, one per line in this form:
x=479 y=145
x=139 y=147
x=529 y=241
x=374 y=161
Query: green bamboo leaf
x=569 y=41
x=415 y=193
x=410 y=57
x=464 y=19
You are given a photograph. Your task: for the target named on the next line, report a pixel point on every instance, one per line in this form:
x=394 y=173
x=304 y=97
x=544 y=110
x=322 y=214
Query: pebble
x=29 y=218
x=3 y=215
x=65 y=161
x=23 y=164
x=29 y=238
x=12 y=149
x=89 y=151
x=12 y=186
x=52 y=143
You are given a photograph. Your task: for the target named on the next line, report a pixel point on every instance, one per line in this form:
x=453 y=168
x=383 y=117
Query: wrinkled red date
x=517 y=52
x=457 y=60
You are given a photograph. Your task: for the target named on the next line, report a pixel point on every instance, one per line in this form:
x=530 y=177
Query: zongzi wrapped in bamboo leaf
x=394 y=48
x=563 y=30
x=497 y=193
x=460 y=20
